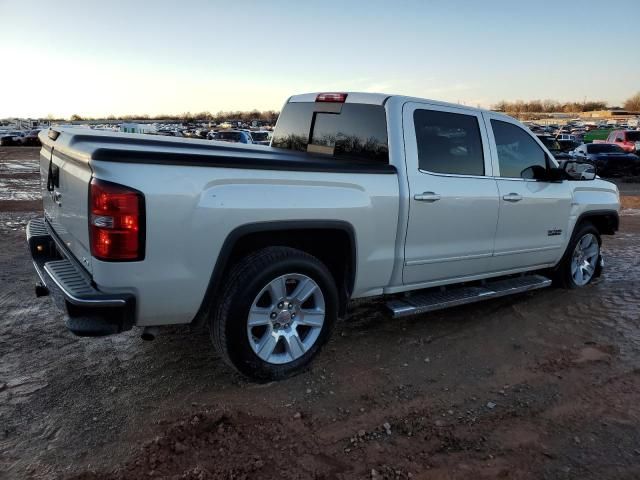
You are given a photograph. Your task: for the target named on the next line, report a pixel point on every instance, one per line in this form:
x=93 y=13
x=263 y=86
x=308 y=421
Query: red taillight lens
x=116 y=222
x=331 y=97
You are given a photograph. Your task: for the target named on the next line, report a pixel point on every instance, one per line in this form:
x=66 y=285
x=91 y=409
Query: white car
x=426 y=203
x=566 y=136
x=261 y=137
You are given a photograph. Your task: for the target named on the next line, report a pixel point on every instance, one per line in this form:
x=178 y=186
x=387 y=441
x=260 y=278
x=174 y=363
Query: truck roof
x=378 y=99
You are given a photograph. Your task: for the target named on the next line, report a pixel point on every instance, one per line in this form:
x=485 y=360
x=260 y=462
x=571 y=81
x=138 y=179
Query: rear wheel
x=275 y=313
x=582 y=261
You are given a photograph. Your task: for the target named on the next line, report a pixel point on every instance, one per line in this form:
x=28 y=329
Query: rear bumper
x=89 y=312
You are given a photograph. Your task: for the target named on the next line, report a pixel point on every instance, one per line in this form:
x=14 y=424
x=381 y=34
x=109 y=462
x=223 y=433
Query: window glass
x=448 y=143
x=517 y=151
x=604 y=148
x=355 y=131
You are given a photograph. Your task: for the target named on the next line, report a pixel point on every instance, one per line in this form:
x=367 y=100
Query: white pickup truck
x=358 y=195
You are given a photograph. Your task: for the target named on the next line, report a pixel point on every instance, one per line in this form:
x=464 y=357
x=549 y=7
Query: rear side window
x=351 y=131
x=448 y=143
x=517 y=151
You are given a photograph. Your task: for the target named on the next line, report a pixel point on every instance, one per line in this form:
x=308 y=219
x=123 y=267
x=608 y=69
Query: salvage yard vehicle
x=261 y=137
x=610 y=159
x=359 y=195
x=11 y=138
x=628 y=140
x=234 y=136
x=30 y=138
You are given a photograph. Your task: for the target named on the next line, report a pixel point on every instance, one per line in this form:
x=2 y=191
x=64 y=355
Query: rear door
x=453 y=209
x=65 y=188
x=534 y=214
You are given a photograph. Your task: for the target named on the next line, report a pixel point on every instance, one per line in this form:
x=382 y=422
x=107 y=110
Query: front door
x=453 y=206
x=534 y=213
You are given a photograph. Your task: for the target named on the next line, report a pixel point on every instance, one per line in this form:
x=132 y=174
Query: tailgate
x=64 y=179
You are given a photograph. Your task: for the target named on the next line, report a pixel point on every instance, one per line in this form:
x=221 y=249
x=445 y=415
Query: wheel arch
x=607 y=222
x=328 y=240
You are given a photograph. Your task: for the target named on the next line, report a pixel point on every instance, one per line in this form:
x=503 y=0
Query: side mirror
x=578 y=170
x=535 y=172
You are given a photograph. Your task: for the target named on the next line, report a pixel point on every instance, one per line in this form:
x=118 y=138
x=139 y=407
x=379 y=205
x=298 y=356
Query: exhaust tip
x=149 y=333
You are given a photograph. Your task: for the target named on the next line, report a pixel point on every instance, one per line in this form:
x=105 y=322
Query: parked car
x=12 y=137
x=201 y=133
x=30 y=138
x=566 y=136
x=234 y=136
x=628 y=140
x=359 y=195
x=554 y=146
x=610 y=159
x=261 y=137
x=169 y=133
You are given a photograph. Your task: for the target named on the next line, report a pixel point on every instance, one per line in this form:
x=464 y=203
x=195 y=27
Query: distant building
x=137 y=128
x=611 y=113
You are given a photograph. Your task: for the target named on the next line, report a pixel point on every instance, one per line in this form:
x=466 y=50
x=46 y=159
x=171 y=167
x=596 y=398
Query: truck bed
x=197 y=193
x=134 y=148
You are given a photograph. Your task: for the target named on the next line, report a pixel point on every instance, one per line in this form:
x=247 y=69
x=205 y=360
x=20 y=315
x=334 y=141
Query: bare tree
x=633 y=104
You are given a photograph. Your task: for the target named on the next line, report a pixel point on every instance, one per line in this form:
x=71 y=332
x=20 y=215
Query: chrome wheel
x=286 y=318
x=584 y=260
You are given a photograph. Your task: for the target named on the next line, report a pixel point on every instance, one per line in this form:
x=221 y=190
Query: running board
x=438 y=299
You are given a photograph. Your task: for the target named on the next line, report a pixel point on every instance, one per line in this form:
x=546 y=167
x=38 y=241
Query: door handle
x=427 y=197
x=512 y=197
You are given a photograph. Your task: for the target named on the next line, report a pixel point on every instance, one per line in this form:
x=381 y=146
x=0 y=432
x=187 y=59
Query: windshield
x=603 y=148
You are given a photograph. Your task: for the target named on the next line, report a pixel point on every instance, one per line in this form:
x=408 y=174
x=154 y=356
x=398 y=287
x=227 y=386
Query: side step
x=438 y=299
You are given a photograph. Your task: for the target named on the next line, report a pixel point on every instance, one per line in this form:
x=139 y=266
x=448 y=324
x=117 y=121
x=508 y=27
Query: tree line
x=270 y=116
x=553 y=106
x=267 y=116
x=548 y=106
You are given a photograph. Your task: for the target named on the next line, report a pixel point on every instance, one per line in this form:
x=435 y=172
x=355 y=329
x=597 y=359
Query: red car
x=629 y=140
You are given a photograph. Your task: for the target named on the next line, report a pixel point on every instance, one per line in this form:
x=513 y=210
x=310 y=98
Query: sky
x=97 y=58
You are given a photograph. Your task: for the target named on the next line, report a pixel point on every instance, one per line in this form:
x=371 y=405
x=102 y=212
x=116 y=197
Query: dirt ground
x=543 y=385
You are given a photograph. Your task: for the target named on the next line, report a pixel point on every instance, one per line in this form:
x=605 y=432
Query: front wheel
x=275 y=313
x=582 y=261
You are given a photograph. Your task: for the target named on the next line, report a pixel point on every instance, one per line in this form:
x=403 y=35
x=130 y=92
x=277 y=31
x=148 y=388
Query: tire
x=566 y=274
x=268 y=348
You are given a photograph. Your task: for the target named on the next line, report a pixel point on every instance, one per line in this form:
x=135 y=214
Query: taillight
x=331 y=97
x=116 y=222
